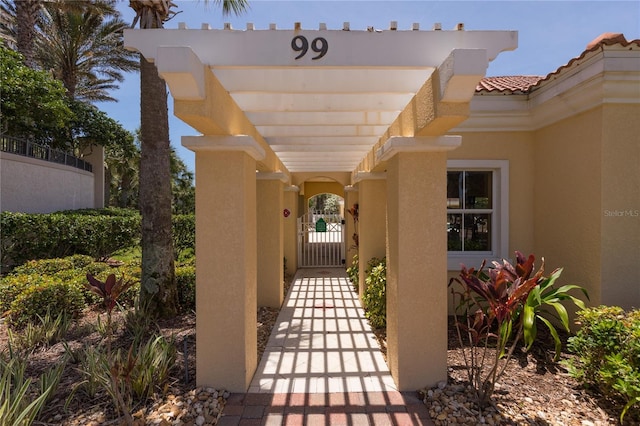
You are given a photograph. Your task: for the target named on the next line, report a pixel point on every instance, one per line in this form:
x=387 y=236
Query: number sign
x=318 y=45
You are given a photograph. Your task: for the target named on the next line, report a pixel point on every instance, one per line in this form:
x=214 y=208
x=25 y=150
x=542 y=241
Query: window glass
x=470 y=210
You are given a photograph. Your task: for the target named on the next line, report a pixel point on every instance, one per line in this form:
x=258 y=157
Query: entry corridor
x=322 y=365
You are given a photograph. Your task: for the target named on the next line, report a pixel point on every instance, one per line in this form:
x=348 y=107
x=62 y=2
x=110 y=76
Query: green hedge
x=96 y=232
x=46 y=236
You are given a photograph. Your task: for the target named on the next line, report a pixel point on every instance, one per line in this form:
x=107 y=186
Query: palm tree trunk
x=158 y=292
x=26 y=17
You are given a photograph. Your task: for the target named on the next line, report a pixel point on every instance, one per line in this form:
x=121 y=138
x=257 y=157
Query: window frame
x=499 y=218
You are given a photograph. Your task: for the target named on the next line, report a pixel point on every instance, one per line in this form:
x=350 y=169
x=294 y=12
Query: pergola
x=370 y=105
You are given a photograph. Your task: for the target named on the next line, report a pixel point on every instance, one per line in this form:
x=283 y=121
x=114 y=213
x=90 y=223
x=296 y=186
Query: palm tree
x=84 y=49
x=158 y=291
x=21 y=17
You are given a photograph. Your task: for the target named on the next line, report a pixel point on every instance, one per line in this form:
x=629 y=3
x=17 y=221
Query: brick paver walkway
x=322 y=365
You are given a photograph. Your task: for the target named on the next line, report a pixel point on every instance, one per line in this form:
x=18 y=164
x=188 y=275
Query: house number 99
x=318 y=45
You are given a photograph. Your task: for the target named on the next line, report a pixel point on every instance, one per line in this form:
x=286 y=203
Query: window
x=477 y=211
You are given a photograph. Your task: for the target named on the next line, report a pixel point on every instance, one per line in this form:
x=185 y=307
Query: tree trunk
x=158 y=290
x=26 y=17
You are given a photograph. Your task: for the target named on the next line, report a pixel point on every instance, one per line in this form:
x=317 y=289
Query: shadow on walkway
x=322 y=365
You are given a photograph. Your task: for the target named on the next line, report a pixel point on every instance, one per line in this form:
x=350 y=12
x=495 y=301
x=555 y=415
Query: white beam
x=303 y=131
x=252 y=102
x=281 y=118
x=322 y=80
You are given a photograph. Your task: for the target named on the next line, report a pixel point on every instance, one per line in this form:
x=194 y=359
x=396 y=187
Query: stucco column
x=270 y=239
x=226 y=354
x=417 y=259
x=372 y=190
x=94 y=155
x=291 y=228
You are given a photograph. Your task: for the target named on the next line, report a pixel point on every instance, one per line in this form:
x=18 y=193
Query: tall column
x=226 y=269
x=417 y=260
x=372 y=193
x=270 y=239
x=290 y=211
x=95 y=156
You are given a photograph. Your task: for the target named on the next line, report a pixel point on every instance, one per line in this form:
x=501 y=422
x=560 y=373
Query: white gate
x=321 y=240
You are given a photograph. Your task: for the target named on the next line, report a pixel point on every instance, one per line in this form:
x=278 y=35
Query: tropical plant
x=546 y=295
x=83 y=47
x=489 y=306
x=158 y=290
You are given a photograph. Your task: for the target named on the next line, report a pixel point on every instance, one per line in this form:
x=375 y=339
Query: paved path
x=322 y=365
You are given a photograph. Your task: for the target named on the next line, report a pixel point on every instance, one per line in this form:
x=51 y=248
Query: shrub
x=374 y=298
x=354 y=274
x=607 y=349
x=45 y=236
x=186 y=281
x=47 y=296
x=184 y=234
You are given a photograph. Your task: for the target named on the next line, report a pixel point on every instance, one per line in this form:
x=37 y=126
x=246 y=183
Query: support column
x=291 y=228
x=372 y=192
x=95 y=157
x=226 y=269
x=417 y=259
x=270 y=239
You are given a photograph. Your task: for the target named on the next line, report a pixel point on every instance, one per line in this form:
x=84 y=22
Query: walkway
x=322 y=365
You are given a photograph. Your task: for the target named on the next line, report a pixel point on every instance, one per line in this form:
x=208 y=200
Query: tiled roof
x=524 y=84
x=514 y=83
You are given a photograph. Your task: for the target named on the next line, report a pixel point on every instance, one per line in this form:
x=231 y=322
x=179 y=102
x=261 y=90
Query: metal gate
x=321 y=240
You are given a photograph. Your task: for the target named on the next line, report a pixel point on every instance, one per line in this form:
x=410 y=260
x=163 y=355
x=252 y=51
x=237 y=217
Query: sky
x=550 y=33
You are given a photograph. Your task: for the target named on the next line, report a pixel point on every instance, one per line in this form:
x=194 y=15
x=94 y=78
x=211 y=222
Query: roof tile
x=524 y=84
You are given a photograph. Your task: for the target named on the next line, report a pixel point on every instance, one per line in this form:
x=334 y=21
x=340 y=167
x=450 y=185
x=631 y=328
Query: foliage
x=354 y=211
x=182 y=187
x=90 y=126
x=374 y=298
x=544 y=295
x=184 y=234
x=109 y=289
x=490 y=315
x=353 y=273
x=19 y=402
x=49 y=331
x=49 y=295
x=83 y=47
x=43 y=236
x=607 y=349
x=325 y=203
x=33 y=104
x=186 y=279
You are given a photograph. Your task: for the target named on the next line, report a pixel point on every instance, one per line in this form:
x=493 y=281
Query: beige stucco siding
x=620 y=199
x=567 y=208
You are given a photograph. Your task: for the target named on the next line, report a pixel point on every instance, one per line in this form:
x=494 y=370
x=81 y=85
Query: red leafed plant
x=109 y=290
x=489 y=304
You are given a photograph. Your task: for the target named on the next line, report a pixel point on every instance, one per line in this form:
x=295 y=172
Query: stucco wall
x=29 y=185
x=620 y=215
x=568 y=203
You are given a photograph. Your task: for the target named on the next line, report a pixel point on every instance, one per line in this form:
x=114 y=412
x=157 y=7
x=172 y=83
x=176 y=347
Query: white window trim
x=499 y=233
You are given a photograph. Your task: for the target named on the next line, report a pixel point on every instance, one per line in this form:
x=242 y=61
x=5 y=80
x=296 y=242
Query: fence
x=26 y=148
